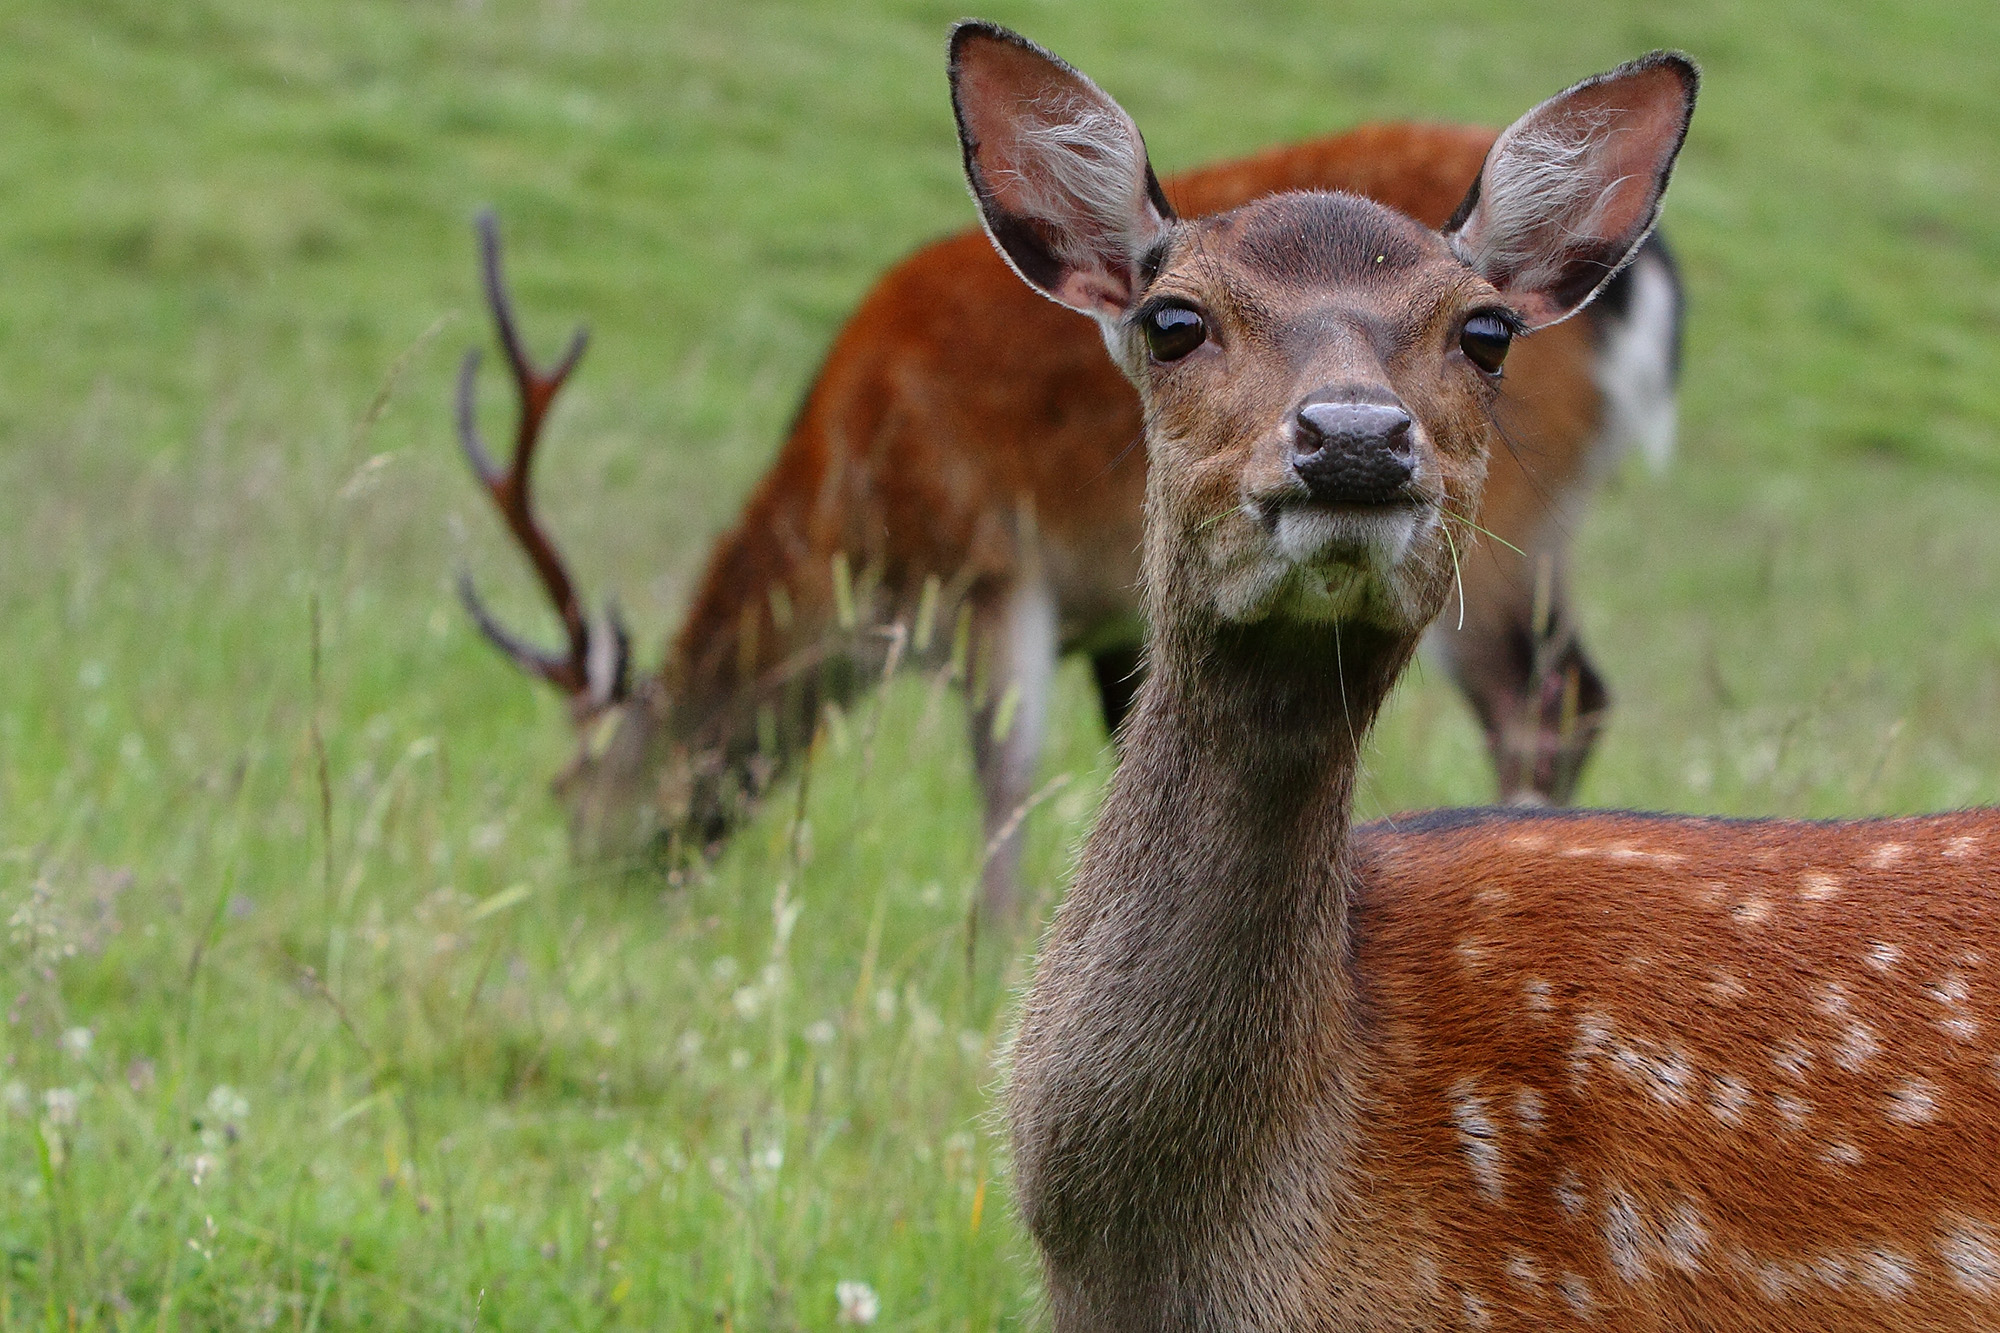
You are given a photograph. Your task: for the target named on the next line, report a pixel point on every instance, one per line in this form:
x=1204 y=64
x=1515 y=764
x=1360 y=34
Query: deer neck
x=1187 y=1030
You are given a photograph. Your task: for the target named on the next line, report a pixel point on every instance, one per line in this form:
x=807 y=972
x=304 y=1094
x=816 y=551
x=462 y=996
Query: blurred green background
x=423 y=1073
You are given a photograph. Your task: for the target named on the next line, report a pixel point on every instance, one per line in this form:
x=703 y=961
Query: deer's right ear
x=1058 y=169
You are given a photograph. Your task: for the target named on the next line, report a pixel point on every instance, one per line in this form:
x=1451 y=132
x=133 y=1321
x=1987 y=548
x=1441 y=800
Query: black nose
x=1353 y=453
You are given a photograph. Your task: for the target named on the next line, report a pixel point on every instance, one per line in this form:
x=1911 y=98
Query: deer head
x=1317 y=370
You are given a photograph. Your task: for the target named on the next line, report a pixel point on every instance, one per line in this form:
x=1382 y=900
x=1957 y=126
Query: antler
x=594 y=671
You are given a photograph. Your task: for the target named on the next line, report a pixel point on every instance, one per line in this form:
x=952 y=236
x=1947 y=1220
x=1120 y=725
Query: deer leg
x=1012 y=672
x=1118 y=672
x=1521 y=665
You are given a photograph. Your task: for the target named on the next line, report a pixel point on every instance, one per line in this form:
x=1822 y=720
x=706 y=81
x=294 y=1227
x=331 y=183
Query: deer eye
x=1172 y=331
x=1485 y=340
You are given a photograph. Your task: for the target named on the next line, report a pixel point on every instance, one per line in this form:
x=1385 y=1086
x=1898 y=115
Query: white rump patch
x=1634 y=369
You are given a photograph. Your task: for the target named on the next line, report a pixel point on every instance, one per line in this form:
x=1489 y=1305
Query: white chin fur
x=1320 y=565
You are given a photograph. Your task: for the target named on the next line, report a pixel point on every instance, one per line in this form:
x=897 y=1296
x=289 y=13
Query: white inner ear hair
x=1085 y=173
x=1539 y=196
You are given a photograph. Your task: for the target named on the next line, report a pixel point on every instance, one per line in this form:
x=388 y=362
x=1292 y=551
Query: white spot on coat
x=1521 y=1271
x=1914 y=1102
x=1856 y=1048
x=1666 y=1074
x=1536 y=992
x=1840 y=1153
x=1793 y=1059
x=1817 y=886
x=1570 y=1194
x=1886 y=855
x=1971 y=1251
x=1685 y=1239
x=1794 y=1111
x=1530 y=1109
x=1727 y=1096
x=1593 y=1031
x=1887 y=1273
x=1960 y=1026
x=1961 y=847
x=1751 y=911
x=1625 y=1237
x=1576 y=1294
x=1882 y=957
x=1476 y=1312
x=1726 y=988
x=1478 y=1138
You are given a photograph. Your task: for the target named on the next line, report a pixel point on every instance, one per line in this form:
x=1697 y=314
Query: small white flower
x=227 y=1110
x=820 y=1034
x=198 y=1168
x=771 y=1158
x=226 y=1103
x=858 y=1302
x=748 y=1000
x=76 y=1042
x=60 y=1105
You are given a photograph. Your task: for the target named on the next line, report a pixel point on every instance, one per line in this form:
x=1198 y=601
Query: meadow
x=311 y=1021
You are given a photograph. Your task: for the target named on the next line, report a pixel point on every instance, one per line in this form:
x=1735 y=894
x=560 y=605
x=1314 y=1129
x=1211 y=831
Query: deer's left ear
x=1058 y=169
x=1570 y=189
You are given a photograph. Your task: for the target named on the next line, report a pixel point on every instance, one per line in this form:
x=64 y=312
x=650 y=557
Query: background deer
x=966 y=466
x=1478 y=1069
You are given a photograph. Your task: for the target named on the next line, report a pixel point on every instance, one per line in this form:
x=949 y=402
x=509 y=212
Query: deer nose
x=1353 y=453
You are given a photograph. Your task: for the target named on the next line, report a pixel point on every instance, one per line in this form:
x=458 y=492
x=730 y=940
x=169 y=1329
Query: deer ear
x=1569 y=190
x=1058 y=169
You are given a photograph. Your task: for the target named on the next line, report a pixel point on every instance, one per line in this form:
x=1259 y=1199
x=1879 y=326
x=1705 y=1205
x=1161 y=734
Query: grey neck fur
x=1194 y=1020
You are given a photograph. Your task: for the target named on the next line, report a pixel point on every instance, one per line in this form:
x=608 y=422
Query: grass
x=311 y=1023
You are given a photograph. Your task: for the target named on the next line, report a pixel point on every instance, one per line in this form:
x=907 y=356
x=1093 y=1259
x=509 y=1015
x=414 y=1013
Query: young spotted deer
x=1480 y=1070
x=969 y=446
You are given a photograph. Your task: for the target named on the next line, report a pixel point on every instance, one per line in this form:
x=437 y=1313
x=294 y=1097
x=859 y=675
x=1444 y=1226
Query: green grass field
x=420 y=1072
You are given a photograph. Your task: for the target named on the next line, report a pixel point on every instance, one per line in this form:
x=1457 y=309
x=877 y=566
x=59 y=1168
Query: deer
x=1479 y=1069
x=965 y=467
